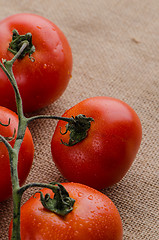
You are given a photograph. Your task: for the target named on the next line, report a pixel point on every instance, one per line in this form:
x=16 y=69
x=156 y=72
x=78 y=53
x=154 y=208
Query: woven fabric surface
x=115 y=46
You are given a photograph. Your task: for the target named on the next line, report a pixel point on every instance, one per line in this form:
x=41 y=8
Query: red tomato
x=94 y=217
x=106 y=154
x=25 y=154
x=43 y=81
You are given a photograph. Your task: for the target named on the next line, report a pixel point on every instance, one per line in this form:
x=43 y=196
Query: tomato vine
x=61 y=204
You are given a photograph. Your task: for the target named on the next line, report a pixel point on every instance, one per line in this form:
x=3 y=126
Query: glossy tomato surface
x=25 y=155
x=94 y=217
x=106 y=154
x=43 y=81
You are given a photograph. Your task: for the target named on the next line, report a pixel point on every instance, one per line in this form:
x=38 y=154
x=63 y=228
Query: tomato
x=43 y=81
x=106 y=154
x=25 y=154
x=94 y=216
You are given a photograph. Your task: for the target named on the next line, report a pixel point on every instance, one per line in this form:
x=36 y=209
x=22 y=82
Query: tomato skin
x=106 y=154
x=26 y=153
x=43 y=81
x=94 y=217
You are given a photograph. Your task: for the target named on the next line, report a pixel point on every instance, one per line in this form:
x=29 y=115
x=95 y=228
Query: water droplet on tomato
x=89 y=229
x=45 y=66
x=90 y=197
x=92 y=211
x=76 y=233
x=80 y=194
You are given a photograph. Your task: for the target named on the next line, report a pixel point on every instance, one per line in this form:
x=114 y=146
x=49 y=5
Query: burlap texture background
x=115 y=47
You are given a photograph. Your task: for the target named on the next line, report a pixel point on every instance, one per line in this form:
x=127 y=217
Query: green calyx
x=17 y=42
x=78 y=129
x=61 y=204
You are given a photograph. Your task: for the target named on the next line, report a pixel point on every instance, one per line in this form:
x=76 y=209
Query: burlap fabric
x=115 y=47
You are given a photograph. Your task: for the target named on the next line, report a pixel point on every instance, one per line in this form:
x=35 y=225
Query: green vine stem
x=78 y=126
x=13 y=152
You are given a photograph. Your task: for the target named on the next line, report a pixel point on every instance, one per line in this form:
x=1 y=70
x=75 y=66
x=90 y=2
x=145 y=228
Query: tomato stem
x=30 y=185
x=5 y=141
x=78 y=127
x=5 y=125
x=7 y=68
x=61 y=195
x=30 y=119
x=13 y=152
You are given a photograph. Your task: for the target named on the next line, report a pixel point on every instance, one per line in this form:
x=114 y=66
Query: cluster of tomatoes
x=98 y=161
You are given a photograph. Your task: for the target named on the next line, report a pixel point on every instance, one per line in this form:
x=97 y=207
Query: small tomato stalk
x=13 y=152
x=78 y=126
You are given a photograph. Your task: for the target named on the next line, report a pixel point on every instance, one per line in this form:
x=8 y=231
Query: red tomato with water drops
x=94 y=216
x=43 y=80
x=106 y=154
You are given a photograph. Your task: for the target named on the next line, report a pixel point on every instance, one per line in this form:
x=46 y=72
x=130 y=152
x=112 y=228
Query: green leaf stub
x=61 y=204
x=78 y=129
x=17 y=42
